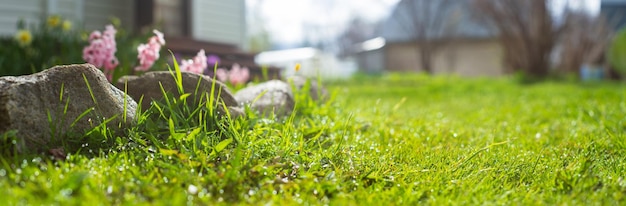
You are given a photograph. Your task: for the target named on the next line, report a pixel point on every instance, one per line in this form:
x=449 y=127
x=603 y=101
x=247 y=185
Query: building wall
x=87 y=14
x=401 y=57
x=11 y=11
x=98 y=13
x=371 y=61
x=211 y=20
x=614 y=11
x=465 y=58
x=219 y=21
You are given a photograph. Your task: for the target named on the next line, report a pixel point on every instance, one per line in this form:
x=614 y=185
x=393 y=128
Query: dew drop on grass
x=192 y=189
x=3 y=172
x=109 y=189
x=66 y=192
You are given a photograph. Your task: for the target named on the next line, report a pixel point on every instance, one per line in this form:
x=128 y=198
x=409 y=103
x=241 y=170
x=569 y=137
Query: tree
x=430 y=24
x=584 y=41
x=527 y=32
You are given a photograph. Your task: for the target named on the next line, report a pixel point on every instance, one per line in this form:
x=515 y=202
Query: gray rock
x=315 y=91
x=63 y=94
x=147 y=86
x=273 y=96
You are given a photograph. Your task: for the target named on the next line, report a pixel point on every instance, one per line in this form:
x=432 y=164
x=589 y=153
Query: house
x=466 y=46
x=216 y=26
x=615 y=12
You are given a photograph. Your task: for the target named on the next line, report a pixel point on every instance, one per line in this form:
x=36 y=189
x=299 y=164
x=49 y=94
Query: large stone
x=271 y=97
x=149 y=85
x=58 y=103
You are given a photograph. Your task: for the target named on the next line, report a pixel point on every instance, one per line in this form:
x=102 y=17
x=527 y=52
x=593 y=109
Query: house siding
x=219 y=21
x=470 y=57
x=614 y=11
x=11 y=11
x=87 y=14
x=371 y=61
x=98 y=13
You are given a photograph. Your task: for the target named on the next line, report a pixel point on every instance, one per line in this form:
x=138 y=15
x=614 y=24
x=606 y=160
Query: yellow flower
x=298 y=67
x=54 y=21
x=84 y=36
x=23 y=37
x=67 y=25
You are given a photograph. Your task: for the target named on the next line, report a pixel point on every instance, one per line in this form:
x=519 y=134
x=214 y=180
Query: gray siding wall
x=219 y=21
x=12 y=11
x=87 y=14
x=212 y=20
x=98 y=13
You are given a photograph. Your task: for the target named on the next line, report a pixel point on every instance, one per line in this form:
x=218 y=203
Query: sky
x=287 y=20
x=290 y=22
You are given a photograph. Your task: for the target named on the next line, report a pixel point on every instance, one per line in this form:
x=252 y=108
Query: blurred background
x=335 y=39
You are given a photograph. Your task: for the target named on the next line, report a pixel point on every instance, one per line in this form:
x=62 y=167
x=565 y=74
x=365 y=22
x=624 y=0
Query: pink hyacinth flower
x=149 y=53
x=221 y=74
x=101 y=50
x=196 y=65
x=239 y=75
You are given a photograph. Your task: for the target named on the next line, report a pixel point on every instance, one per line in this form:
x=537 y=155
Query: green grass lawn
x=392 y=140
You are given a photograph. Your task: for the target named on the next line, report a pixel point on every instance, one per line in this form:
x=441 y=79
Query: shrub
x=31 y=50
x=617 y=52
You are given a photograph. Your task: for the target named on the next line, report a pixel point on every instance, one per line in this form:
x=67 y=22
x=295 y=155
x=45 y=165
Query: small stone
x=273 y=96
x=63 y=94
x=148 y=87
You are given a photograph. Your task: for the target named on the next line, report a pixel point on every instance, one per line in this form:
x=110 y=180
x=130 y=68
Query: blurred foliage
x=54 y=42
x=51 y=44
x=617 y=52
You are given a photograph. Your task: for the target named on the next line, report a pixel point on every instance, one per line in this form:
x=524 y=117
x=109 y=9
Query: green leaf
x=171 y=126
x=179 y=77
x=168 y=152
x=192 y=135
x=184 y=96
x=223 y=144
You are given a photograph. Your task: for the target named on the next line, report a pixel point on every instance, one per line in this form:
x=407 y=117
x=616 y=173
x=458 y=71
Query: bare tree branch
x=527 y=31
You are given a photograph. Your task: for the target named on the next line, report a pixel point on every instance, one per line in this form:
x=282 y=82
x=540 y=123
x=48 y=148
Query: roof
x=614 y=11
x=613 y=2
x=460 y=21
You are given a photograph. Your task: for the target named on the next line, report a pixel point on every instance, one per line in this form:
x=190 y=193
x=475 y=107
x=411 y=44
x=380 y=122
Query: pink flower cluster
x=236 y=75
x=149 y=53
x=195 y=65
x=101 y=50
